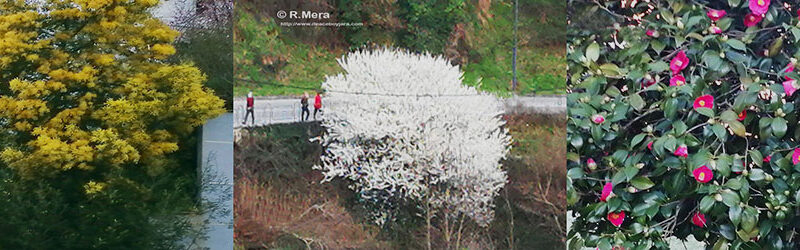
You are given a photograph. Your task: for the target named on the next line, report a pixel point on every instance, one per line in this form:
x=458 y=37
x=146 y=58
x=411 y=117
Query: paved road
x=287 y=110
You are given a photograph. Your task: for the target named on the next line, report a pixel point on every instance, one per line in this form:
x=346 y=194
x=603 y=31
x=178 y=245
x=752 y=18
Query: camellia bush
x=683 y=121
x=402 y=126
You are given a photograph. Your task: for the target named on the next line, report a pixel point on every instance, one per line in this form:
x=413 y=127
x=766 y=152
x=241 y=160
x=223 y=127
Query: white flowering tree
x=403 y=124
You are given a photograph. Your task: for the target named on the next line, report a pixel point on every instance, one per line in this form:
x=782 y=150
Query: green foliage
x=144 y=213
x=429 y=23
x=751 y=202
x=275 y=60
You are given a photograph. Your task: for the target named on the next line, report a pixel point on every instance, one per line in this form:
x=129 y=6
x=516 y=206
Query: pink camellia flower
x=591 y=164
x=789 y=68
x=715 y=15
x=699 y=219
x=681 y=151
x=798 y=13
x=616 y=218
x=768 y=158
x=742 y=115
x=597 y=119
x=751 y=20
x=703 y=174
x=679 y=62
x=650 y=145
x=714 y=29
x=651 y=33
x=706 y=101
x=607 y=192
x=677 y=80
x=789 y=87
x=796 y=156
x=759 y=7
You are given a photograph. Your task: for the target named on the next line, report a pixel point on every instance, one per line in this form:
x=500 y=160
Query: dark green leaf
x=642 y=183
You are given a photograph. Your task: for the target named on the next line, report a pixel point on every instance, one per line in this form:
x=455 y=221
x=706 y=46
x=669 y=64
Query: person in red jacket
x=317 y=104
x=250 y=103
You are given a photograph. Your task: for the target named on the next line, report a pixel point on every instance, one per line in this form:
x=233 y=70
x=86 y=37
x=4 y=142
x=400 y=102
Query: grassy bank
x=478 y=35
x=280 y=202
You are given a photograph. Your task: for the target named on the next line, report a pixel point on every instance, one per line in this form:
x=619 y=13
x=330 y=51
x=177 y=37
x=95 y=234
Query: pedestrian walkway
x=287 y=110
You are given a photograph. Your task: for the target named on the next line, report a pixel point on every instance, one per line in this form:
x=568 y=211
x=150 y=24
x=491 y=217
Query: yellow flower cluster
x=93 y=4
x=163 y=50
x=83 y=107
x=93 y=187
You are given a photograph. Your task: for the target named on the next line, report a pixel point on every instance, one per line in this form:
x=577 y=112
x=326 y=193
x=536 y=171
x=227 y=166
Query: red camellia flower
x=751 y=20
x=699 y=219
x=706 y=101
x=681 y=151
x=616 y=218
x=650 y=145
x=597 y=119
x=714 y=29
x=742 y=115
x=677 y=80
x=591 y=164
x=703 y=174
x=651 y=33
x=679 y=62
x=796 y=156
x=715 y=15
x=798 y=13
x=789 y=88
x=607 y=192
x=768 y=158
x=759 y=7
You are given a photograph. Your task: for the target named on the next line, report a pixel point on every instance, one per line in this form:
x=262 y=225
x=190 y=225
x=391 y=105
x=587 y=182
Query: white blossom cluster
x=404 y=123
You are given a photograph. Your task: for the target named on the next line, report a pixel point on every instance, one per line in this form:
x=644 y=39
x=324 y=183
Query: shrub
x=682 y=122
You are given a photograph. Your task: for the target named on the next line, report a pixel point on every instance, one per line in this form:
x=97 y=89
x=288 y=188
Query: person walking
x=317 y=104
x=304 y=103
x=250 y=102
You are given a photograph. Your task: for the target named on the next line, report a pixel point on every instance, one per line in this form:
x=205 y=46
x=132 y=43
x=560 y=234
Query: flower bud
x=718 y=197
x=591 y=164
